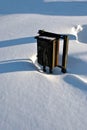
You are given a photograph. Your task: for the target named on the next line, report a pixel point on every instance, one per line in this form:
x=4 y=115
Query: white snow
x=31 y=99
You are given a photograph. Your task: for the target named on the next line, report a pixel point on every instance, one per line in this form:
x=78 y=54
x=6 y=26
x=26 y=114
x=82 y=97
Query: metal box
x=47 y=52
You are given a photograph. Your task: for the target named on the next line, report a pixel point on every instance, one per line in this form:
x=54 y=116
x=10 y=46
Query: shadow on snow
x=41 y=7
x=77 y=73
x=76 y=82
x=76 y=65
x=16 y=65
x=13 y=42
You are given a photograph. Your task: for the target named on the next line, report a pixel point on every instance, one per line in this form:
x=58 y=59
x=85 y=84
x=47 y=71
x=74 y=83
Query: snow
x=31 y=99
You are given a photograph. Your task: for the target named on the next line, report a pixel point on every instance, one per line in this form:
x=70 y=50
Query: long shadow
x=75 y=82
x=77 y=66
x=77 y=73
x=40 y=7
x=19 y=41
x=16 y=66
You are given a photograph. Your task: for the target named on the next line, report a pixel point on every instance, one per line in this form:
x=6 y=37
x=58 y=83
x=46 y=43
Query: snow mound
x=75 y=30
x=80 y=32
x=82 y=35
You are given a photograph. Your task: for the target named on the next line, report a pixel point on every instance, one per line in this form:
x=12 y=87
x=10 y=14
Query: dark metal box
x=47 y=52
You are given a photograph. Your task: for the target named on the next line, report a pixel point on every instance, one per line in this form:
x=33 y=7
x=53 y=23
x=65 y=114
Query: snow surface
x=29 y=99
